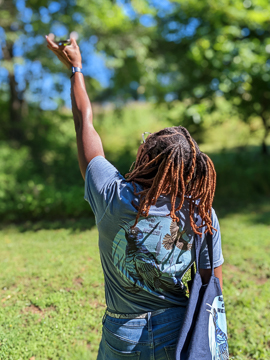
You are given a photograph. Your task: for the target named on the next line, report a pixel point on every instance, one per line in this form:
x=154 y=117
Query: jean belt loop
x=104 y=317
x=149 y=320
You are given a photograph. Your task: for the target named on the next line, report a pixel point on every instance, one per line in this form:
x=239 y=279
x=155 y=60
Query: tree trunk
x=15 y=111
x=15 y=98
x=266 y=133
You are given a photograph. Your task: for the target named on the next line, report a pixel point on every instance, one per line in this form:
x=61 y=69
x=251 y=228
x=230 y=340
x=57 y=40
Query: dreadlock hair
x=170 y=162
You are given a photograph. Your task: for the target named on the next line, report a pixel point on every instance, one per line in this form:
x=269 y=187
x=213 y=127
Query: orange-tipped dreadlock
x=170 y=163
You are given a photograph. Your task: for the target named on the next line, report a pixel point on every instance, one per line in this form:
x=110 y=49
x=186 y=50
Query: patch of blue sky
x=26 y=43
x=175 y=31
x=65 y=93
x=77 y=17
x=50 y=96
x=170 y=96
x=214 y=84
x=48 y=104
x=94 y=64
x=2 y=41
x=245 y=32
x=20 y=77
x=44 y=15
x=163 y=7
x=25 y=14
x=54 y=6
x=219 y=93
x=127 y=9
x=18 y=47
x=147 y=20
x=3 y=75
x=20 y=5
x=164 y=79
x=28 y=28
x=93 y=39
x=134 y=85
x=59 y=29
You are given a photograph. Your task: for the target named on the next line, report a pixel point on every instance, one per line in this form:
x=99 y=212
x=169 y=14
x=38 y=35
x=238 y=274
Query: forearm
x=88 y=141
x=81 y=106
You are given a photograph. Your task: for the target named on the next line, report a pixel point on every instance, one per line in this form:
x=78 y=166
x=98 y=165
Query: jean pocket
x=170 y=352
x=113 y=354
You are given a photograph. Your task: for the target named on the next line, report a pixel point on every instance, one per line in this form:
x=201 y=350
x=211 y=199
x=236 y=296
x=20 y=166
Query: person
x=147 y=222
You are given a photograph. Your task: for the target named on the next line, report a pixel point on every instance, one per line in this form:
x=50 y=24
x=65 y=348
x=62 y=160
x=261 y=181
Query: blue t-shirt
x=143 y=267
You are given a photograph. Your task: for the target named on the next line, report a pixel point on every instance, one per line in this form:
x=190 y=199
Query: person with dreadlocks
x=147 y=222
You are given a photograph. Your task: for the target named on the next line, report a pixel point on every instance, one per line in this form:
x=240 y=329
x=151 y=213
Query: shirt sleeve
x=217 y=250
x=100 y=179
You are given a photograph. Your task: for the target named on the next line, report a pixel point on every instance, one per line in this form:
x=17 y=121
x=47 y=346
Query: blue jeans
x=153 y=338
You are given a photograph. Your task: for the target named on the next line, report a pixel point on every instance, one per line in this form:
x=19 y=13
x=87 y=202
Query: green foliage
x=198 y=51
x=192 y=53
x=41 y=180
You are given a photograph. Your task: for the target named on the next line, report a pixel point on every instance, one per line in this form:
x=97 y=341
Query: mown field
x=51 y=283
x=52 y=297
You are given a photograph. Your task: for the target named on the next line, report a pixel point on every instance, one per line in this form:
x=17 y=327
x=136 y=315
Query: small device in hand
x=63 y=42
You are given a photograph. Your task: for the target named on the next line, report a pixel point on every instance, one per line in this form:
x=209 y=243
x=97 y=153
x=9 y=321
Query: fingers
x=51 y=43
x=60 y=56
x=73 y=42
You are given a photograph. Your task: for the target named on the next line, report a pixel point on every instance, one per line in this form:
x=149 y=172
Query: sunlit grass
x=52 y=298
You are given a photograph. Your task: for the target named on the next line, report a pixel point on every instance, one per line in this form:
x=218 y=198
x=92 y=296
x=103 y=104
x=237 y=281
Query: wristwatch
x=75 y=69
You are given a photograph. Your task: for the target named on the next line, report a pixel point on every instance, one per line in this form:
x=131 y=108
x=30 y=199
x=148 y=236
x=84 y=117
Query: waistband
x=134 y=316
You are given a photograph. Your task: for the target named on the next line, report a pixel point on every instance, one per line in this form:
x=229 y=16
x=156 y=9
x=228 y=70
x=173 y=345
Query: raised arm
x=88 y=141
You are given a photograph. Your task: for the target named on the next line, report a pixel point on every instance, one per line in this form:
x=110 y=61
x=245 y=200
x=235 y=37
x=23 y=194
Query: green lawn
x=52 y=297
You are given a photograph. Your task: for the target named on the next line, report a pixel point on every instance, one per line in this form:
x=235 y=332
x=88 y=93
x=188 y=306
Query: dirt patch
x=33 y=309
x=262 y=280
x=96 y=304
x=78 y=281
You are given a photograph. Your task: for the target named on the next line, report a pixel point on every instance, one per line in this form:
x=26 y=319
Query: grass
x=52 y=298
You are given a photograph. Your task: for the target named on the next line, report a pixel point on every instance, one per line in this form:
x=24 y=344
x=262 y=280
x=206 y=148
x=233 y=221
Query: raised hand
x=69 y=55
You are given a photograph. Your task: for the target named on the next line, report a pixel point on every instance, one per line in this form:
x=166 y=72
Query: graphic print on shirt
x=217 y=330
x=153 y=255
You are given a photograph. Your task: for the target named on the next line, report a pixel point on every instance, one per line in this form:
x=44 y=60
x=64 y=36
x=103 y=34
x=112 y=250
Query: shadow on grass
x=74 y=225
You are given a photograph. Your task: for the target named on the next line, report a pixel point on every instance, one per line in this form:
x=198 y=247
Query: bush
x=41 y=179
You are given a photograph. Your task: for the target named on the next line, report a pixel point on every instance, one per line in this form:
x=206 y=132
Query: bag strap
x=209 y=241
x=198 y=245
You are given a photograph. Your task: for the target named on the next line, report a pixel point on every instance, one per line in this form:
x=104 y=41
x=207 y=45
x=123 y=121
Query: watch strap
x=75 y=69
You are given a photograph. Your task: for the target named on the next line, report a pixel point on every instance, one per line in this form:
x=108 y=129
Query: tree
x=185 y=54
x=28 y=63
x=201 y=50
